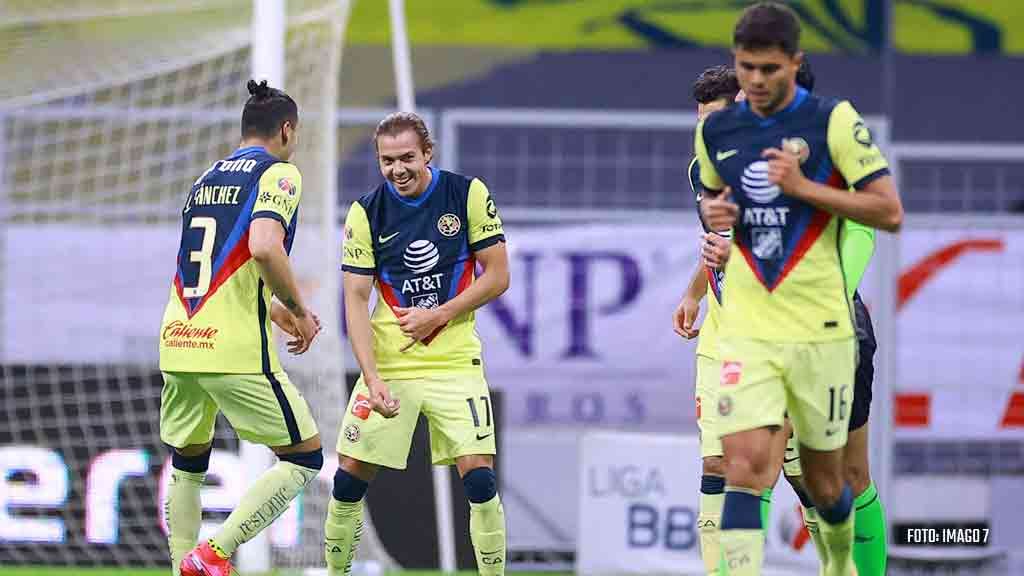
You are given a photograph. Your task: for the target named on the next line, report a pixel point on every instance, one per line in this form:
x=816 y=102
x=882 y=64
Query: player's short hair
x=715 y=83
x=767 y=25
x=266 y=110
x=398 y=122
x=804 y=76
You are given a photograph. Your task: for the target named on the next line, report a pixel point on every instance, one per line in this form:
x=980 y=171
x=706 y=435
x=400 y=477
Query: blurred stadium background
x=578 y=116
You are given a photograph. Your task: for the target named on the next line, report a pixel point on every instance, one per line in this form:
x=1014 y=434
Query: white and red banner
x=584 y=335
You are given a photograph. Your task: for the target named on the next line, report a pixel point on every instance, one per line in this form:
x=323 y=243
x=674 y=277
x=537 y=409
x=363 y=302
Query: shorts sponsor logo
x=449 y=225
x=698 y=407
x=361 y=407
x=731 y=372
x=352 y=433
x=725 y=405
x=178 y=334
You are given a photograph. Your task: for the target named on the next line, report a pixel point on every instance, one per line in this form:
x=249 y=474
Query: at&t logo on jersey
x=756 y=184
x=421 y=256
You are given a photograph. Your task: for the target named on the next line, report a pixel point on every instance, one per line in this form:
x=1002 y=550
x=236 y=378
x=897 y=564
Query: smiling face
x=767 y=77
x=404 y=162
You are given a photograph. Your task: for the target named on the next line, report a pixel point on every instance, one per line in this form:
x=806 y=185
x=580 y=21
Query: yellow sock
x=342 y=530
x=742 y=551
x=184 y=512
x=811 y=521
x=487 y=531
x=838 y=539
x=708 y=522
x=265 y=500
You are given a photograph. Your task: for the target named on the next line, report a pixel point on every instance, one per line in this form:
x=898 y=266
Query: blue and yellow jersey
x=217 y=317
x=788 y=286
x=707 y=341
x=420 y=253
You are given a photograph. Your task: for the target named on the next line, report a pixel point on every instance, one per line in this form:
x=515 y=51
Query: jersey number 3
x=204 y=256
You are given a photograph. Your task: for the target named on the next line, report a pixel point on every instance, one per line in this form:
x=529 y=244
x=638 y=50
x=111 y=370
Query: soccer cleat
x=203 y=561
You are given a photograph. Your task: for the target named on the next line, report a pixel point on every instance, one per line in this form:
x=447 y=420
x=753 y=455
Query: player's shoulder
x=724 y=120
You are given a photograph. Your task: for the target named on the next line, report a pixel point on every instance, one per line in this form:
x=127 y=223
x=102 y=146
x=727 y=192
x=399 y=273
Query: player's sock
x=486 y=520
x=810 y=514
x=712 y=496
x=344 y=524
x=741 y=538
x=836 y=528
x=182 y=507
x=870 y=543
x=267 y=499
x=766 y=511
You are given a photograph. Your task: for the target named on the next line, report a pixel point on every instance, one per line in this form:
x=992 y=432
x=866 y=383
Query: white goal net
x=108 y=112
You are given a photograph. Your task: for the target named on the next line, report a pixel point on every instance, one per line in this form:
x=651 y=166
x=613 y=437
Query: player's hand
x=720 y=212
x=380 y=398
x=685 y=316
x=715 y=250
x=307 y=326
x=418 y=323
x=784 y=170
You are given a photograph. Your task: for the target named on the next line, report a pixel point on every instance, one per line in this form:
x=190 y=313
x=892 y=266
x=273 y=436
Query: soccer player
x=419 y=238
x=216 y=349
x=715 y=89
x=787 y=158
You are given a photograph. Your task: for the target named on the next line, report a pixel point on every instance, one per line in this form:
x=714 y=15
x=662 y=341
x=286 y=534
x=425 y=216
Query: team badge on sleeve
x=286 y=185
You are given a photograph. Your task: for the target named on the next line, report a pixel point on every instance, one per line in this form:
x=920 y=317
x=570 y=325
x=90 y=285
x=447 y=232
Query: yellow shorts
x=265 y=409
x=458 y=411
x=813 y=381
x=708 y=372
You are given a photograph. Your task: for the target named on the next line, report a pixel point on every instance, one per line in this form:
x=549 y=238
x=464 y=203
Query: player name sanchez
x=210 y=195
x=943 y=536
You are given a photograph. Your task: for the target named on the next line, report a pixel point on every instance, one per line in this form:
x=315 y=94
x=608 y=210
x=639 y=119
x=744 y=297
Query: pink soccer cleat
x=203 y=561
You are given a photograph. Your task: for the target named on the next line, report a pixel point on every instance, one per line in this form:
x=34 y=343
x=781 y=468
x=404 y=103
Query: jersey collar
x=798 y=99
x=418 y=201
x=246 y=150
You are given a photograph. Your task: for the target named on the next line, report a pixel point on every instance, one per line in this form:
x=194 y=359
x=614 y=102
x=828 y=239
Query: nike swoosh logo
x=484 y=437
x=863 y=538
x=494 y=552
x=720 y=155
x=385 y=239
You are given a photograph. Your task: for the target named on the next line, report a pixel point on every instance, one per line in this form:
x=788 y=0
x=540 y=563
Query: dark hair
x=715 y=83
x=804 y=76
x=266 y=110
x=398 y=122
x=767 y=25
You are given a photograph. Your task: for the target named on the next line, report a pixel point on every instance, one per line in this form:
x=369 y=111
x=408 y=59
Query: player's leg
x=187 y=418
x=461 y=419
x=712 y=481
x=870 y=546
x=821 y=392
x=265 y=409
x=794 y=476
x=751 y=404
x=344 y=524
x=366 y=441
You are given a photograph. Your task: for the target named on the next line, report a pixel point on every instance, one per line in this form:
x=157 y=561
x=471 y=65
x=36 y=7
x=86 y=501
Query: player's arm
x=717 y=209
x=359 y=270
x=856 y=248
x=278 y=194
x=874 y=202
x=685 y=315
x=487 y=242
